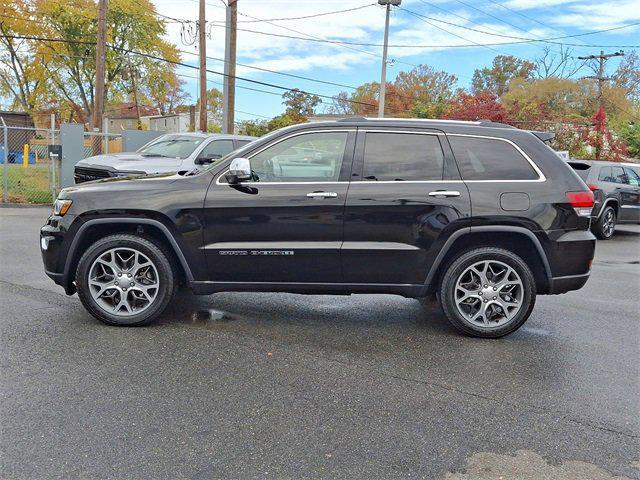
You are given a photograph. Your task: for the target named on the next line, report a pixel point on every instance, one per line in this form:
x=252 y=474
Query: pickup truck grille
x=86 y=174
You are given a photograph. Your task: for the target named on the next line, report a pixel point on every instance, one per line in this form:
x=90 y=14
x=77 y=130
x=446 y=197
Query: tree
x=495 y=79
x=481 y=106
x=631 y=135
x=68 y=67
x=166 y=92
x=426 y=85
x=627 y=76
x=21 y=77
x=254 y=128
x=561 y=64
x=214 y=106
x=300 y=105
x=600 y=138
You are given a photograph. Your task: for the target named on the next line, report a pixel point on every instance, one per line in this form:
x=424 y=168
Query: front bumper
x=53 y=248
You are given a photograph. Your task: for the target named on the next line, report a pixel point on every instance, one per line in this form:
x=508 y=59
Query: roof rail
x=352 y=119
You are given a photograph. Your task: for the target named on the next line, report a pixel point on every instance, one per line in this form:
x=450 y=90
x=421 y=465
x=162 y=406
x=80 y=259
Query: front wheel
x=125 y=280
x=488 y=292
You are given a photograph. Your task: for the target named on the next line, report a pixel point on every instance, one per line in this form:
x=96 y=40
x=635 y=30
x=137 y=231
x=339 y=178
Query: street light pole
x=383 y=75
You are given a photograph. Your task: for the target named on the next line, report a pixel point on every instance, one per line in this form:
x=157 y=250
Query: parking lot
x=244 y=385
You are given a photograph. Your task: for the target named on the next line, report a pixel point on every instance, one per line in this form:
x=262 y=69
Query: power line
x=182 y=64
x=528 y=17
x=473 y=45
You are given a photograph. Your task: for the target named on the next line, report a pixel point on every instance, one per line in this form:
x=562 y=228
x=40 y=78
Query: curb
x=25 y=205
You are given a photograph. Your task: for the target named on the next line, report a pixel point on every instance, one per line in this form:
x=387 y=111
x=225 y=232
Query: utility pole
x=383 y=76
x=229 y=85
x=202 y=35
x=101 y=46
x=602 y=58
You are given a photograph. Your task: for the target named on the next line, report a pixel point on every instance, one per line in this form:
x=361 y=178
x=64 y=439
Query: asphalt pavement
x=243 y=385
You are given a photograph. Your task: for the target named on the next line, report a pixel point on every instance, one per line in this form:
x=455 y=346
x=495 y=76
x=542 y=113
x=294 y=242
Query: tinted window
x=582 y=169
x=402 y=156
x=489 y=159
x=634 y=178
x=217 y=148
x=303 y=158
x=618 y=175
x=606 y=175
x=242 y=143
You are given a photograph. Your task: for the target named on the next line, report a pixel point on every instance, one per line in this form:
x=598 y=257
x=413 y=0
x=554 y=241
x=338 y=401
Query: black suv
x=480 y=214
x=616 y=190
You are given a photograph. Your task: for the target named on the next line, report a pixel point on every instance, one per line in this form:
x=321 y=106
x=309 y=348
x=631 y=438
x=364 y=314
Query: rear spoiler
x=546 y=137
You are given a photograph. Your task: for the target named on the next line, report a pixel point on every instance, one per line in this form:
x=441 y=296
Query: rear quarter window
x=482 y=158
x=582 y=169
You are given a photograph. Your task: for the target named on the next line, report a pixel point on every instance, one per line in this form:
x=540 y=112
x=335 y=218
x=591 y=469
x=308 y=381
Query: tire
x=479 y=310
x=605 y=225
x=149 y=284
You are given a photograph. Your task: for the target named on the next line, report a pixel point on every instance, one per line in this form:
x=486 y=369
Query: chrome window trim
x=295 y=134
x=541 y=177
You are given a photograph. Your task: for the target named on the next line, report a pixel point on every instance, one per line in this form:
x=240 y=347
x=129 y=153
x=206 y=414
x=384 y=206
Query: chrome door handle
x=444 y=193
x=322 y=195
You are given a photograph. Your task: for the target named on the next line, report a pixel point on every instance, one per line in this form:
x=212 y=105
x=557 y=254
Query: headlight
x=61 y=206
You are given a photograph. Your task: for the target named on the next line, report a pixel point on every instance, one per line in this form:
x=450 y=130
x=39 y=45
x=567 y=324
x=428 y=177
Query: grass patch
x=27 y=185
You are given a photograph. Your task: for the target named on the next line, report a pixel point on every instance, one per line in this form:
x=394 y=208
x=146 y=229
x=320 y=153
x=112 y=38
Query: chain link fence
x=27 y=172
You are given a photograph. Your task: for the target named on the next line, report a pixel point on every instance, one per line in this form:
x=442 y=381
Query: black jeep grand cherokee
x=483 y=215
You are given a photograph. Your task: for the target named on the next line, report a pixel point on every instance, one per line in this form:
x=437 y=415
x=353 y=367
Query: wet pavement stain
x=210 y=317
x=528 y=465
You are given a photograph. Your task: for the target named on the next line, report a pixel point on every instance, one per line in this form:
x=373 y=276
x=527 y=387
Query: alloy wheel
x=609 y=223
x=489 y=294
x=123 y=281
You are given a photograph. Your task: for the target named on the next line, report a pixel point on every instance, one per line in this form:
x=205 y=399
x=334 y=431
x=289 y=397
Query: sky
x=436 y=30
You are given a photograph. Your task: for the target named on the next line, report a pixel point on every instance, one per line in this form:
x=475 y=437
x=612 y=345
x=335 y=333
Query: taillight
x=592 y=187
x=582 y=202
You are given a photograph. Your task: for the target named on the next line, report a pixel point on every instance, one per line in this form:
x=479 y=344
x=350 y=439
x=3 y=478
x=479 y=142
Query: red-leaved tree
x=481 y=106
x=599 y=137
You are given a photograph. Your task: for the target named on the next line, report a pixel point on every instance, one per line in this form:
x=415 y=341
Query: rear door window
x=606 y=175
x=618 y=175
x=390 y=156
x=490 y=159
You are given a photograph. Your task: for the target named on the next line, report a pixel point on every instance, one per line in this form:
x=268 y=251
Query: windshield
x=174 y=146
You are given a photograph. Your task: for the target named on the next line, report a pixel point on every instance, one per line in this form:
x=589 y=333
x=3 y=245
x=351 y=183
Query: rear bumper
x=566 y=284
x=570 y=258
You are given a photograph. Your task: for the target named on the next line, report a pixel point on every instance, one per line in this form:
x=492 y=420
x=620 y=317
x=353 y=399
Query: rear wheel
x=125 y=280
x=604 y=226
x=488 y=292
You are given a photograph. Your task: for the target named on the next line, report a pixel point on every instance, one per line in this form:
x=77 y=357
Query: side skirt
x=406 y=290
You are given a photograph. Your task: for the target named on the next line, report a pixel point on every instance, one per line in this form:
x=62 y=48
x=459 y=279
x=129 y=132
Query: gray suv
x=616 y=191
x=168 y=153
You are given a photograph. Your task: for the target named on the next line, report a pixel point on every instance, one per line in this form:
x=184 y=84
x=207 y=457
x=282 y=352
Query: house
x=170 y=123
x=124 y=116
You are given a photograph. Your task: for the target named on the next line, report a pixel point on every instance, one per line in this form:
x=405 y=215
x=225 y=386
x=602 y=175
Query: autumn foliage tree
x=481 y=106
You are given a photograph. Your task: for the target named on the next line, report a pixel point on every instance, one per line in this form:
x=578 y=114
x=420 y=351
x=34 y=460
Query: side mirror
x=208 y=159
x=239 y=170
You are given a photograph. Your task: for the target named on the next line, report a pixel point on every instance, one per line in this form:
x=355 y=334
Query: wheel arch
x=92 y=230
x=519 y=240
x=614 y=202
